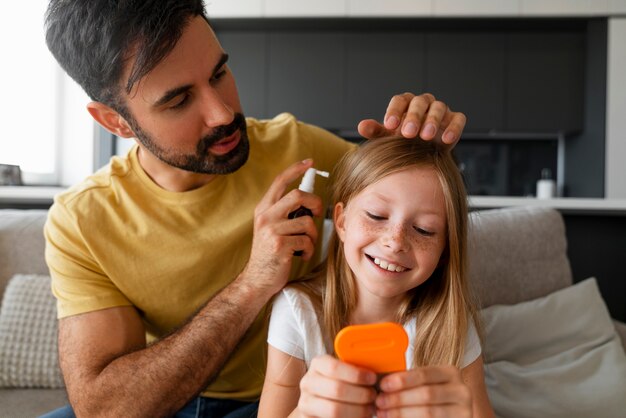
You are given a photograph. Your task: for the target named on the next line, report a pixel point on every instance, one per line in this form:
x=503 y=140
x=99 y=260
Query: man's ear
x=339 y=219
x=110 y=120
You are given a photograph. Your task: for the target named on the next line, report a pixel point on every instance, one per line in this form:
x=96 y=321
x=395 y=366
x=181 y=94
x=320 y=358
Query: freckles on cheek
x=427 y=243
x=366 y=227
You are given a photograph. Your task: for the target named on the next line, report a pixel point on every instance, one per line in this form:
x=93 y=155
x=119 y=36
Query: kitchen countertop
x=595 y=206
x=574 y=205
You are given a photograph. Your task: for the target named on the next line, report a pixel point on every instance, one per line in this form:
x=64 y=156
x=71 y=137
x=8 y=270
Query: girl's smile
x=387 y=265
x=393 y=233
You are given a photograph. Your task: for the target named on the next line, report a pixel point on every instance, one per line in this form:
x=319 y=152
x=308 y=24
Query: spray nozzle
x=546 y=174
x=308 y=181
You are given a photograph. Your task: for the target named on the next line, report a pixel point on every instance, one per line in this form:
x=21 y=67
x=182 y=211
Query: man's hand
x=432 y=391
x=334 y=389
x=409 y=115
x=276 y=237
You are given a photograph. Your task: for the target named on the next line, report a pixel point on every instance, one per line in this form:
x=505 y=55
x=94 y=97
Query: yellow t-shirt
x=118 y=239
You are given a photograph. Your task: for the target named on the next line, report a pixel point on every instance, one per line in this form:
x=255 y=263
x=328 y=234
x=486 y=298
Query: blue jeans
x=199 y=407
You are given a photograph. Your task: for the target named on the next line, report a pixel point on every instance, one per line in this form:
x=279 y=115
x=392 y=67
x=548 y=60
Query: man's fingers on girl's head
x=369 y=128
x=415 y=116
x=455 y=128
x=433 y=120
x=398 y=106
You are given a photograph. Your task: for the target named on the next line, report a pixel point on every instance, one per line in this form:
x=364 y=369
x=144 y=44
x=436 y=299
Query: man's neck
x=170 y=178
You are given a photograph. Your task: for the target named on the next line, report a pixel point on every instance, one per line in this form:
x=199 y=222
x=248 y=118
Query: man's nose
x=216 y=112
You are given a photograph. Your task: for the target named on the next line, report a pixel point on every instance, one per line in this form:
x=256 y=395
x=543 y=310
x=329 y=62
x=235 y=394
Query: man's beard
x=202 y=161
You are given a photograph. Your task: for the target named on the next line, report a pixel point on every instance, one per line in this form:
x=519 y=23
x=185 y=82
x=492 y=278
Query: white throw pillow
x=28 y=334
x=555 y=356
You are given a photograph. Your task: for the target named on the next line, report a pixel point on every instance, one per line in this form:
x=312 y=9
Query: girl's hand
x=432 y=391
x=334 y=389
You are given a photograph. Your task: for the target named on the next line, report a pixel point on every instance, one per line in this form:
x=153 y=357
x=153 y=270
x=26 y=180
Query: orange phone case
x=379 y=347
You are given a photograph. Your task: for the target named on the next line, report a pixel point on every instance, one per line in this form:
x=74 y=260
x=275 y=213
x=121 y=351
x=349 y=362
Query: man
x=162 y=262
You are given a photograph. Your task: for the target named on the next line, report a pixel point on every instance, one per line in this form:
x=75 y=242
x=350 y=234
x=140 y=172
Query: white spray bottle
x=306 y=185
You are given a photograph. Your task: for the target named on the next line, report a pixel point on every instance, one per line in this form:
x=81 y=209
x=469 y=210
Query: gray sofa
x=516 y=255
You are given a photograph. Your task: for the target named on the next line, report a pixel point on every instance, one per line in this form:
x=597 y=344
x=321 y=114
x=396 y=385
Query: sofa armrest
x=21 y=243
x=620 y=327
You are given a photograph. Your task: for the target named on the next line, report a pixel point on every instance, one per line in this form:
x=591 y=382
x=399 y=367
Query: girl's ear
x=339 y=220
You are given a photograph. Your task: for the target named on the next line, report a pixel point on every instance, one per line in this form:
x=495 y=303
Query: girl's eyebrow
x=381 y=196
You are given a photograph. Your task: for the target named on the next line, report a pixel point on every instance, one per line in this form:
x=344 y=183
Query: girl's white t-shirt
x=295 y=330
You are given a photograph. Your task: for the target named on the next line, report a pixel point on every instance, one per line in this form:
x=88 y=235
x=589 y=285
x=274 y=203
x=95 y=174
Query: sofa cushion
x=28 y=334
x=517 y=254
x=555 y=356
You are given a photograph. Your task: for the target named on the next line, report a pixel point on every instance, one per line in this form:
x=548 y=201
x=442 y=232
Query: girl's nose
x=396 y=238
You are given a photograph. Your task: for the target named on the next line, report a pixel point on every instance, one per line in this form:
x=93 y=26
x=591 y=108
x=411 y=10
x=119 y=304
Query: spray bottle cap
x=308 y=181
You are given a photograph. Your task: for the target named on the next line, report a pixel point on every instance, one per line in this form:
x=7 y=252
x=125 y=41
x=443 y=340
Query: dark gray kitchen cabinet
x=467 y=71
x=247 y=60
x=378 y=65
x=546 y=81
x=509 y=76
x=306 y=76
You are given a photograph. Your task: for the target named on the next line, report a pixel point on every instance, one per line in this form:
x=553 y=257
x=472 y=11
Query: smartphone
x=379 y=347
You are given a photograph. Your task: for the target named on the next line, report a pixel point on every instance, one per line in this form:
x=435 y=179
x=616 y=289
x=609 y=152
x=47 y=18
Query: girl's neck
x=374 y=310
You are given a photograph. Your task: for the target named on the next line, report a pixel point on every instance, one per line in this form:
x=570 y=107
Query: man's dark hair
x=93 y=39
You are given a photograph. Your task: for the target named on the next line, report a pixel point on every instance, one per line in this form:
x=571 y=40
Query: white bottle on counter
x=546 y=187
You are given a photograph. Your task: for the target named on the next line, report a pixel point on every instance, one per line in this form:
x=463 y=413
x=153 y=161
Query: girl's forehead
x=415 y=185
x=409 y=179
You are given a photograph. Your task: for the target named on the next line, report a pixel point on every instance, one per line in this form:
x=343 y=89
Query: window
x=45 y=127
x=30 y=91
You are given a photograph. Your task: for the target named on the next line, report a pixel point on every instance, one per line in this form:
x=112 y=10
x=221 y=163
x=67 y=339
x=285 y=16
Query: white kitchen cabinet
x=230 y=8
x=317 y=8
x=414 y=8
x=390 y=8
x=564 y=7
x=476 y=8
x=617 y=6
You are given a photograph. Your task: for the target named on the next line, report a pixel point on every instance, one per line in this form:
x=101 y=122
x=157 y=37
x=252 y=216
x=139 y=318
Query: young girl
x=398 y=253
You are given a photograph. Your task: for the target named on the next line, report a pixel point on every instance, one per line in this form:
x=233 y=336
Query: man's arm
x=108 y=369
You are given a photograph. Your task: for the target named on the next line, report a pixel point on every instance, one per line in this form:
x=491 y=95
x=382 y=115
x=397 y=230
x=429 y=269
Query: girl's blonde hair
x=442 y=304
